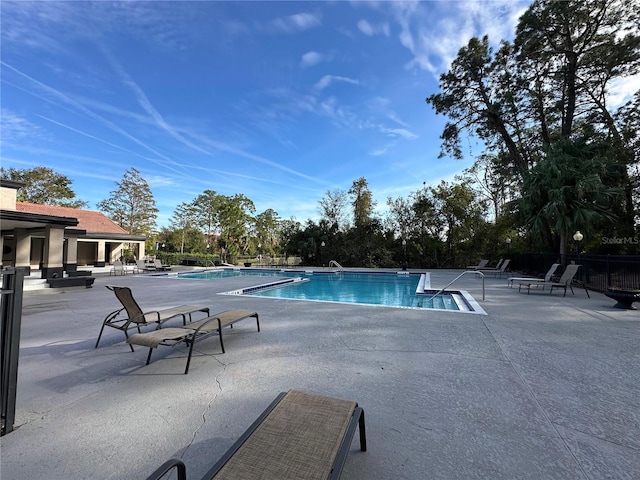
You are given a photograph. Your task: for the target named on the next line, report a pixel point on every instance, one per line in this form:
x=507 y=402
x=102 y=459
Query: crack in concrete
x=208 y=407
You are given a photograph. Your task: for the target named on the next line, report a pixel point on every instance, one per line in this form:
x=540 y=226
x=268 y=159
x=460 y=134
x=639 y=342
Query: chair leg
x=149 y=356
x=127 y=335
x=191 y=342
x=220 y=335
x=363 y=435
x=106 y=320
x=100 y=335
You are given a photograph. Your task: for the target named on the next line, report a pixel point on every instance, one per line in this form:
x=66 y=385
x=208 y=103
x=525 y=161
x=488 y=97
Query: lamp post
x=322 y=244
x=404 y=250
x=577 y=237
x=508 y=241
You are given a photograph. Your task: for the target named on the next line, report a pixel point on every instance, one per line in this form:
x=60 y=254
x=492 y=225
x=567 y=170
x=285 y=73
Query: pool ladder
x=333 y=263
x=452 y=281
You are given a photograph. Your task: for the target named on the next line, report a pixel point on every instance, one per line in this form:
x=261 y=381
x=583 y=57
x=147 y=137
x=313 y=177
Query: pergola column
x=71 y=252
x=22 y=248
x=100 y=259
x=53 y=245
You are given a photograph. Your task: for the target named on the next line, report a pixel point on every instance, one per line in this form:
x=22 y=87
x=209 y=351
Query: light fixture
x=578 y=236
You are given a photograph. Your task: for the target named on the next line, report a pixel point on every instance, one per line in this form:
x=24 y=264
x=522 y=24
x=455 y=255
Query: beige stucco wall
x=8 y=198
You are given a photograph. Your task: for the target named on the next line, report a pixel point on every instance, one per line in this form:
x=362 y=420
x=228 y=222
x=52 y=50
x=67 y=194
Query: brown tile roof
x=91 y=221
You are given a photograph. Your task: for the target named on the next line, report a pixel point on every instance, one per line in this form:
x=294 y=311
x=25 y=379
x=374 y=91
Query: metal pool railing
x=336 y=264
x=452 y=281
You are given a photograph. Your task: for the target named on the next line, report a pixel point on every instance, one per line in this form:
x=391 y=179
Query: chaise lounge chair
x=498 y=270
x=159 y=266
x=565 y=282
x=191 y=333
x=137 y=318
x=299 y=436
x=481 y=264
x=547 y=278
x=144 y=266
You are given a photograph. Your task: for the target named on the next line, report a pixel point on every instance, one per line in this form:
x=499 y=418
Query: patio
x=542 y=387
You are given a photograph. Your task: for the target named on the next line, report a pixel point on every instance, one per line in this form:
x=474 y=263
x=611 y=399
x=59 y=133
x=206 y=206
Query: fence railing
x=598 y=272
x=11 y=316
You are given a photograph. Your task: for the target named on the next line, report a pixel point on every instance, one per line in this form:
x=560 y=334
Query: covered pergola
x=58 y=239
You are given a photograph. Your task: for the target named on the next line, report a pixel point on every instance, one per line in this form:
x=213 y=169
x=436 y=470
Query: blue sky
x=280 y=101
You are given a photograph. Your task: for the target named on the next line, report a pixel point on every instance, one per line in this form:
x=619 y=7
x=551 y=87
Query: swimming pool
x=384 y=289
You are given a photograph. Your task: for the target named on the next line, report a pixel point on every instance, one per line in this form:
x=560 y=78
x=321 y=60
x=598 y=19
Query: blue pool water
x=395 y=290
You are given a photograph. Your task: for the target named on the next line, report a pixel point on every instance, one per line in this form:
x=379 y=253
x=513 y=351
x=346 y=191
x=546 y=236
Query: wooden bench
x=300 y=436
x=191 y=332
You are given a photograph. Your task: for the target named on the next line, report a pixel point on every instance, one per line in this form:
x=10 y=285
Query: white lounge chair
x=498 y=270
x=547 y=278
x=159 y=266
x=481 y=264
x=118 y=268
x=565 y=282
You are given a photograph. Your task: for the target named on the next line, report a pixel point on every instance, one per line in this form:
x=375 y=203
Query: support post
x=11 y=312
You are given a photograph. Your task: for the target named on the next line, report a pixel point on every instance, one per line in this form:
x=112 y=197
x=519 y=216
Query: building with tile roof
x=58 y=239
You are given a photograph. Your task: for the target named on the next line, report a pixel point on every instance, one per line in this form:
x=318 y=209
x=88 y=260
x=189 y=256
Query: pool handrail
x=336 y=264
x=451 y=282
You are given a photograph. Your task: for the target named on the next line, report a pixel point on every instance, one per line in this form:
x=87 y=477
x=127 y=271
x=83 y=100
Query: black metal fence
x=11 y=312
x=598 y=272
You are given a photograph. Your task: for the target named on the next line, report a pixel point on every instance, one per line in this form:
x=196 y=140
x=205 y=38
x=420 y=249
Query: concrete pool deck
x=542 y=387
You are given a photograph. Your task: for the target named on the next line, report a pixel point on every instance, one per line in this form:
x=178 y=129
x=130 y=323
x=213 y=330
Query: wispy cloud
x=382 y=106
x=327 y=80
x=295 y=23
x=434 y=47
x=310 y=59
x=81 y=108
x=378 y=152
x=14 y=128
x=167 y=163
x=370 y=30
x=397 y=132
x=144 y=102
x=262 y=160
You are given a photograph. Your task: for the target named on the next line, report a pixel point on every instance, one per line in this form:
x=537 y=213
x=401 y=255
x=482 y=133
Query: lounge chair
x=144 y=266
x=547 y=278
x=159 y=266
x=481 y=264
x=118 y=268
x=191 y=333
x=300 y=435
x=565 y=282
x=497 y=266
x=498 y=270
x=137 y=317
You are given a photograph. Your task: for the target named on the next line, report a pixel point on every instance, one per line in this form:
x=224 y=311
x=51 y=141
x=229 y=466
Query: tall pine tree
x=132 y=205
